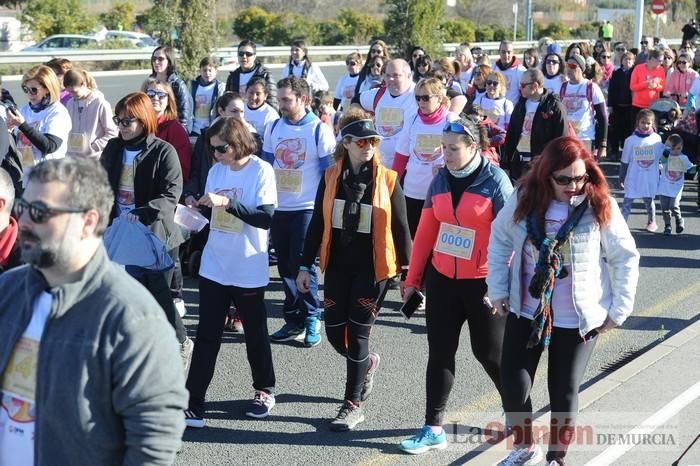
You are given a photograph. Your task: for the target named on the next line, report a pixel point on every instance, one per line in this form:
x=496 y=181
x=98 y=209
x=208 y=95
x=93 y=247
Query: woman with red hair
x=573 y=275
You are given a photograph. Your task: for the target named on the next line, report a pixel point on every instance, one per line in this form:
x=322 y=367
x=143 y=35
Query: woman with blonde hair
x=493 y=102
x=42 y=125
x=345 y=89
x=359 y=227
x=419 y=150
x=90 y=113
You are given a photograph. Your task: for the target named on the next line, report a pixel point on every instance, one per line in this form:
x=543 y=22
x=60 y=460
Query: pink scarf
x=608 y=69
x=433 y=118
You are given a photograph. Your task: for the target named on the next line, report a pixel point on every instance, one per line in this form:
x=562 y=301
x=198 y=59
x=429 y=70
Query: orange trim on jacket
x=384 y=251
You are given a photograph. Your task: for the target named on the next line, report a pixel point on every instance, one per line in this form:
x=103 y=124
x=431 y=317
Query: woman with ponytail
x=300 y=66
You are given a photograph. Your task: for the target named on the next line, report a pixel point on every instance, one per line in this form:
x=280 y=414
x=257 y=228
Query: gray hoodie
x=110 y=385
x=91 y=116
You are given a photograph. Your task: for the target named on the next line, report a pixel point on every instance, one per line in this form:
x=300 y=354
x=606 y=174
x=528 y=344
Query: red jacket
x=477 y=208
x=642 y=96
x=172 y=132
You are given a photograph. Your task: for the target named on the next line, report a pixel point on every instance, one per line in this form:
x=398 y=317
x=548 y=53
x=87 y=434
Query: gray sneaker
x=348 y=417
x=525 y=456
x=369 y=378
x=186 y=349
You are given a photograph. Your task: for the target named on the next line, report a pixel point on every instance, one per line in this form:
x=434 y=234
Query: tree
x=288 y=27
x=457 y=30
x=253 y=23
x=358 y=28
x=198 y=34
x=414 y=22
x=47 y=17
x=120 y=17
x=161 y=20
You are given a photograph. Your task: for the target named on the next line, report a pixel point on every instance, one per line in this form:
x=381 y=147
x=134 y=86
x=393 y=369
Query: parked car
x=139 y=39
x=63 y=42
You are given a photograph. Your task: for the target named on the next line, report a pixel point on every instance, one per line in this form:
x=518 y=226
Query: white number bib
x=455 y=241
x=365 y=216
x=288 y=180
x=225 y=222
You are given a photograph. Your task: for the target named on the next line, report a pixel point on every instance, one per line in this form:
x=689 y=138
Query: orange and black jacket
x=475 y=209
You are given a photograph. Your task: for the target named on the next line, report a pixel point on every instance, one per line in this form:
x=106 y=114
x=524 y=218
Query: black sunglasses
x=563 y=180
x=151 y=93
x=39 y=212
x=491 y=83
x=682 y=62
x=553 y=62
x=220 y=149
x=123 y=122
x=245 y=54
x=351 y=63
x=30 y=90
x=424 y=98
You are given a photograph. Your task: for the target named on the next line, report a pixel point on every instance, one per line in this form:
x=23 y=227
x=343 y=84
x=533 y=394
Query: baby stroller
x=667 y=113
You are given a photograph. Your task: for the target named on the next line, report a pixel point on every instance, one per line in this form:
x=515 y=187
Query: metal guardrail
x=283 y=51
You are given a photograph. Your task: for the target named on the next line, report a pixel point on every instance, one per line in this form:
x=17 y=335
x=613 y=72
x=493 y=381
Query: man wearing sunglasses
x=9 y=247
x=537 y=118
x=250 y=67
x=85 y=351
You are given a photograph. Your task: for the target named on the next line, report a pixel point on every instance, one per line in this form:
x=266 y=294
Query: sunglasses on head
x=245 y=53
x=39 y=212
x=563 y=180
x=351 y=63
x=220 y=149
x=152 y=93
x=459 y=128
x=30 y=90
x=488 y=82
x=362 y=143
x=552 y=62
x=123 y=122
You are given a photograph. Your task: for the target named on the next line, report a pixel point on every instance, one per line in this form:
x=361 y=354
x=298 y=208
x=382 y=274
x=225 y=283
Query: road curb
x=493 y=454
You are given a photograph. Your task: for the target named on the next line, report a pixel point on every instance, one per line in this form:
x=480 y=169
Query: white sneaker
x=526 y=456
x=180 y=306
x=193 y=419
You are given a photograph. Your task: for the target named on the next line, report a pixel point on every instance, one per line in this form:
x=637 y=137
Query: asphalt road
x=310 y=382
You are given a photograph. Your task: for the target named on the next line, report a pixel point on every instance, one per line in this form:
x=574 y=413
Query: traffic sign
x=658 y=6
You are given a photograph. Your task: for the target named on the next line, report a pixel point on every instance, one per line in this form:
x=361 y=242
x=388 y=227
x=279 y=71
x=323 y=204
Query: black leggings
x=352 y=300
x=414 y=207
x=450 y=303
x=568 y=358
x=214 y=301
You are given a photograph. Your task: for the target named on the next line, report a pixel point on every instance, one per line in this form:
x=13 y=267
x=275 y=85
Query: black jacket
x=550 y=121
x=259 y=70
x=157 y=185
x=619 y=92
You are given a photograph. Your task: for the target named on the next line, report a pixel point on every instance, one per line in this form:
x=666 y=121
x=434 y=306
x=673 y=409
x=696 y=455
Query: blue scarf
x=41 y=105
x=549 y=267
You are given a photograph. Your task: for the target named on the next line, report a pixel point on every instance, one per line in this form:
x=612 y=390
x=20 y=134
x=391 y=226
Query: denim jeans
x=288 y=233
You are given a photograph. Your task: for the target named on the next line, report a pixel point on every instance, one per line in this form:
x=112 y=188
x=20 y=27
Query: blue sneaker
x=288 y=332
x=423 y=441
x=312 y=327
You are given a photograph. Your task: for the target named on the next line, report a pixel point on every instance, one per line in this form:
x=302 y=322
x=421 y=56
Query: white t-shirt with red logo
x=53 y=120
x=422 y=143
x=642 y=155
x=673 y=175
x=389 y=118
x=580 y=110
x=344 y=90
x=18 y=389
x=236 y=252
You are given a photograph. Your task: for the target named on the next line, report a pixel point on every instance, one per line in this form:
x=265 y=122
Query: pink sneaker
x=651 y=227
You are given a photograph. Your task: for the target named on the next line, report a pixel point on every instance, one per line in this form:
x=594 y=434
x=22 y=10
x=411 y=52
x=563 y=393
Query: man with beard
x=89 y=372
x=9 y=248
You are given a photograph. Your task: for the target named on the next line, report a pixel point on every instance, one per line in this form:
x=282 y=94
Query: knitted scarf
x=548 y=268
